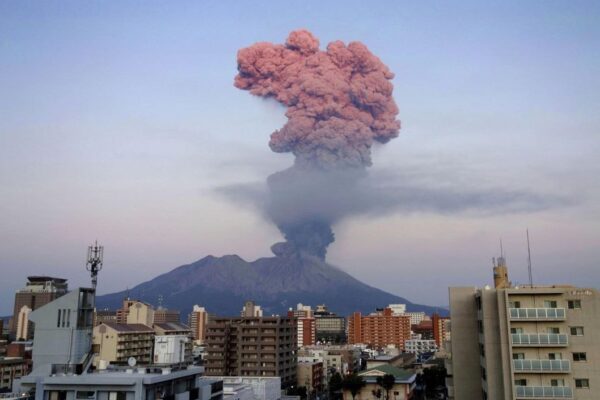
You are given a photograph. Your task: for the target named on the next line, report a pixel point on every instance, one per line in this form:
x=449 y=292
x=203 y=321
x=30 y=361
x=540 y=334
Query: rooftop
x=128 y=327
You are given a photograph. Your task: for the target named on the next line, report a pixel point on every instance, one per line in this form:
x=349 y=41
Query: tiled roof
x=386 y=369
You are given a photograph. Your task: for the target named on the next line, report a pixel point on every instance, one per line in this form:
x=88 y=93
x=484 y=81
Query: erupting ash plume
x=339 y=102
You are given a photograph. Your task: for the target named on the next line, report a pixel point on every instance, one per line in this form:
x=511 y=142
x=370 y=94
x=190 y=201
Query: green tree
x=387 y=382
x=353 y=383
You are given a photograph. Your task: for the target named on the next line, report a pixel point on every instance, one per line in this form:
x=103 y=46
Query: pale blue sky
x=118 y=119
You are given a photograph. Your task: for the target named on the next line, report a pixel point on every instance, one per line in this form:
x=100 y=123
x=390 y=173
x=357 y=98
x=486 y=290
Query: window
x=117 y=395
x=520 y=382
x=481 y=350
x=483 y=374
x=514 y=304
x=554 y=330
x=480 y=326
x=554 y=356
x=582 y=383
x=574 y=304
x=557 y=382
x=57 y=395
x=577 y=330
x=84 y=395
x=516 y=330
x=579 y=357
x=518 y=356
x=58 y=321
x=550 y=303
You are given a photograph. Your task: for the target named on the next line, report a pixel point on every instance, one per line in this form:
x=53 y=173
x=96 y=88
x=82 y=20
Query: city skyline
x=121 y=123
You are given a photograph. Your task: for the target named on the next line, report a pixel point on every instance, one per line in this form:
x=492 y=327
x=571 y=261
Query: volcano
x=222 y=284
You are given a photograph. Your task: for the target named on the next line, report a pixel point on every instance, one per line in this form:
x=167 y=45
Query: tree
x=377 y=393
x=335 y=385
x=387 y=382
x=297 y=391
x=353 y=383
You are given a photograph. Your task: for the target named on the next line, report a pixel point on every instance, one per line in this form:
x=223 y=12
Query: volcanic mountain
x=276 y=283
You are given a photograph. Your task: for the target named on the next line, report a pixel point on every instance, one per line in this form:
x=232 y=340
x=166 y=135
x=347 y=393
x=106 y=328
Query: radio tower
x=94 y=262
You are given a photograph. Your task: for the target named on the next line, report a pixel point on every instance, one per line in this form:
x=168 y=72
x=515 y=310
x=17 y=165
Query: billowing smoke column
x=339 y=102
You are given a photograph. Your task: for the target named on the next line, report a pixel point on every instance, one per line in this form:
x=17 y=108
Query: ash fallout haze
x=119 y=122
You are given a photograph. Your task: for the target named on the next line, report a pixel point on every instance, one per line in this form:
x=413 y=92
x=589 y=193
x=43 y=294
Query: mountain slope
x=276 y=283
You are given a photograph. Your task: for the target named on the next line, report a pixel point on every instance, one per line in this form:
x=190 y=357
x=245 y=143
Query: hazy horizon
x=120 y=123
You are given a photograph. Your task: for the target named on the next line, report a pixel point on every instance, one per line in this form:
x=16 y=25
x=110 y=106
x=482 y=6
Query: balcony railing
x=535 y=314
x=540 y=339
x=544 y=392
x=553 y=366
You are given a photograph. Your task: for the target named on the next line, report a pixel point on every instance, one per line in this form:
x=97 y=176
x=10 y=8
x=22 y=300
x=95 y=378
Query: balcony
x=539 y=340
x=544 y=392
x=537 y=314
x=542 y=366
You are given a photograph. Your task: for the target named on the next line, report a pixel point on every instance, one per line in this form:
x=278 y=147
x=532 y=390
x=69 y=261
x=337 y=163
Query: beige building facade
x=116 y=343
x=528 y=342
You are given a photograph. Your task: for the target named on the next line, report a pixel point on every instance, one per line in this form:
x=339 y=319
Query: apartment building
x=12 y=368
x=38 y=291
x=524 y=342
x=310 y=375
x=441 y=329
x=329 y=327
x=307 y=327
x=116 y=343
x=252 y=346
x=379 y=329
x=197 y=321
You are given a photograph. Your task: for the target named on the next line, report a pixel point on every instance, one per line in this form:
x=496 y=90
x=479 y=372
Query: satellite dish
x=132 y=361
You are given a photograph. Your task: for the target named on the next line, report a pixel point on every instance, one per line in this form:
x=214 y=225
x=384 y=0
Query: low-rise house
x=404 y=383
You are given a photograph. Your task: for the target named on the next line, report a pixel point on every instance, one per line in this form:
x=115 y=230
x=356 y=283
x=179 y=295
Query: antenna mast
x=95 y=255
x=529 y=260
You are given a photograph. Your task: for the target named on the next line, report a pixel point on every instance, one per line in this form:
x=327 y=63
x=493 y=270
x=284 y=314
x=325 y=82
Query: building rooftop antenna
x=95 y=254
x=529 y=260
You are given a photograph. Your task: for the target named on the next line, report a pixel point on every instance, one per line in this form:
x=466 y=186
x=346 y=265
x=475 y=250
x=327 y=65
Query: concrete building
x=379 y=329
x=172 y=343
x=310 y=375
x=397 y=309
x=66 y=322
x=441 y=329
x=197 y=321
x=101 y=316
x=403 y=360
x=163 y=315
x=252 y=346
x=250 y=387
x=306 y=325
x=420 y=346
x=424 y=330
x=329 y=327
x=38 y=291
x=123 y=312
x=344 y=359
x=140 y=313
x=416 y=317
x=404 y=383
x=23 y=325
x=62 y=356
x=12 y=368
x=524 y=342
x=116 y=343
x=250 y=310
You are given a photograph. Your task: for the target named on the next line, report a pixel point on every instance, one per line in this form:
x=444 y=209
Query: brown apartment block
x=162 y=315
x=197 y=321
x=39 y=291
x=379 y=329
x=252 y=346
x=441 y=329
x=12 y=368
